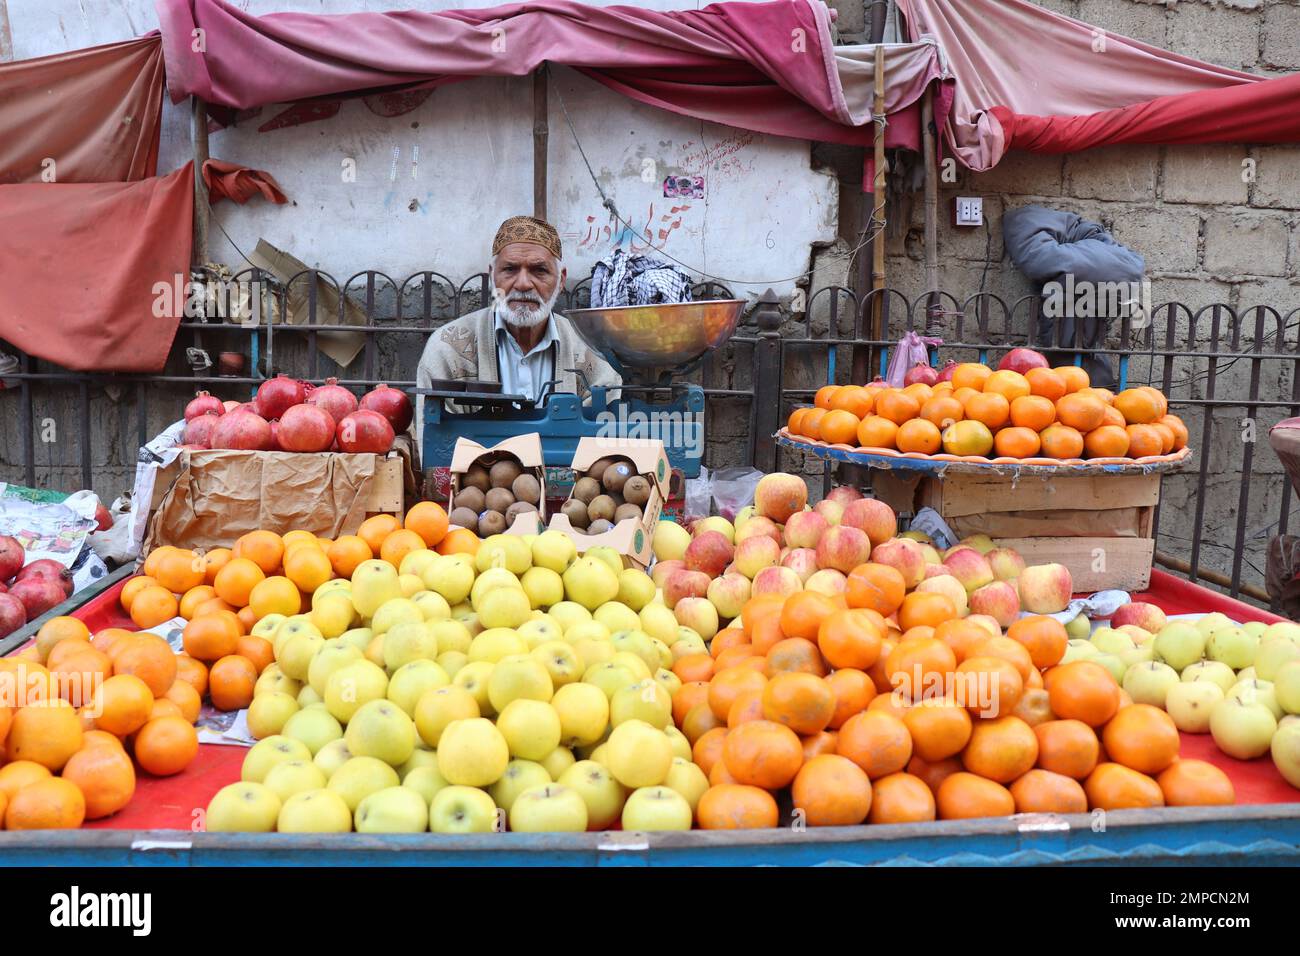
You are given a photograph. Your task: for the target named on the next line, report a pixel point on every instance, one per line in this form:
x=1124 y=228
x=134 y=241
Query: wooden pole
x=878 y=198
x=931 y=209
x=541 y=141
x=202 y=208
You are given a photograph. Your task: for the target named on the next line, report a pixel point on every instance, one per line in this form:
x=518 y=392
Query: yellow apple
x=315 y=811
x=244 y=807
x=359 y=777
x=393 y=810
x=531 y=728
x=472 y=752
x=352 y=685
x=410 y=682
x=265 y=754
x=638 y=754
x=268 y=713
x=382 y=730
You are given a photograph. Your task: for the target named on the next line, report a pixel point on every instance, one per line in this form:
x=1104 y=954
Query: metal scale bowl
x=648 y=345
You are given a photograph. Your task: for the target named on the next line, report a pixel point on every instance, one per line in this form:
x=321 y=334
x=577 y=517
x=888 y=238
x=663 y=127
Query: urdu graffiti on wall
x=652 y=232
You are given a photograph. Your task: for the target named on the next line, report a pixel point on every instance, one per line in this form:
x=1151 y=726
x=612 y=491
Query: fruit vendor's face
x=527 y=275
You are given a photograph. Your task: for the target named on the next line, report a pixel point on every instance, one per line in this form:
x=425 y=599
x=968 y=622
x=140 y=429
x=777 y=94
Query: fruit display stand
x=162 y=825
x=1064 y=512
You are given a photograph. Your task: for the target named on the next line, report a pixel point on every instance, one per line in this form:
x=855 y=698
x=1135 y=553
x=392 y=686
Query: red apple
x=683 y=584
x=805 y=529
x=843 y=548
x=779 y=495
x=780 y=581
x=872 y=516
x=710 y=552
x=843 y=494
x=802 y=561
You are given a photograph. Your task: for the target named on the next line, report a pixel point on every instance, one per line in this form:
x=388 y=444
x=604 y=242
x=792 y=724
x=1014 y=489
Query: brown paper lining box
x=527 y=450
x=207 y=499
x=1098 y=526
x=630 y=537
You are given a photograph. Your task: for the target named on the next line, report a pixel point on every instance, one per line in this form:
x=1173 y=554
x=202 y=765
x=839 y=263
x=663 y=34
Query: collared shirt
x=524 y=374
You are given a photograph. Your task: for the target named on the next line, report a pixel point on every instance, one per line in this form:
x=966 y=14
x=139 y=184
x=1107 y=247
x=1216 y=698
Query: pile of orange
x=1044 y=413
x=880 y=705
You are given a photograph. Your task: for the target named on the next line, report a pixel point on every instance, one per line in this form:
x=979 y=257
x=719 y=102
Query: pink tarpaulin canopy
x=1028 y=78
x=768 y=67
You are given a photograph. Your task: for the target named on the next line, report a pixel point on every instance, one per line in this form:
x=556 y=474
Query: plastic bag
x=723 y=491
x=117 y=544
x=912 y=349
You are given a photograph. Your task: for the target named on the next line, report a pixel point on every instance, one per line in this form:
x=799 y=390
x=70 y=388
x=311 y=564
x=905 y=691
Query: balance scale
x=649 y=346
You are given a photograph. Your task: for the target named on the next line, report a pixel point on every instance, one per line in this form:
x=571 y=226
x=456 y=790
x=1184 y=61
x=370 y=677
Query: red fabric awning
x=94 y=112
x=767 y=67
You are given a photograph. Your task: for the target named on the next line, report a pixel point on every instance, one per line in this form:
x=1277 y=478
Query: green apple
x=451 y=662
x=657 y=808
x=1246 y=673
x=489 y=581
x=474 y=678
x=558 y=760
x=332 y=585
x=1285 y=749
x=1110 y=641
x=719 y=524
x=635 y=589
x=452 y=636
x=609 y=677
x=1242 y=730
x=411 y=585
x=472 y=752
x=332 y=756
x=451 y=580
x=297 y=652
x=421 y=756
x=426 y=781
x=1180 y=645
x=459 y=809
x=591 y=630
x=617 y=617
x=433 y=606
x=561 y=660
x=315 y=811
x=1257 y=692
x=332 y=656
x=358 y=637
x=359 y=778
x=519 y=677
x=291 y=627
x=1140 y=635
x=1257 y=628
x=408 y=641
x=1143 y=654
x=374 y=583
x=507 y=551
x=1190 y=704
x=541 y=630
x=1287 y=687
x=1113 y=665
x=639 y=643
x=1207 y=624
x=646 y=700
x=567 y=614
x=265 y=627
x=590 y=582
x=1079 y=627
x=660 y=622
x=543 y=587
x=583 y=709
x=439 y=707
x=665 y=653
x=353 y=685
x=554 y=551
x=549 y=808
x=269 y=712
x=495 y=643
x=1288 y=629
x=411 y=681
x=668 y=681
x=680 y=743
x=417 y=561
x=1149 y=682
x=603 y=795
x=244 y=807
x=393 y=810
x=381 y=729
x=400 y=610
x=1232 y=646
x=670 y=541
x=592 y=651
x=520 y=775
x=1079 y=650
x=295 y=776
x=333 y=614
x=688 y=779
x=308 y=696
x=505 y=607
x=598 y=754
x=1273 y=653
x=639 y=755
x=531 y=728
x=1213 y=671
x=691 y=639
x=608 y=556
x=267 y=753
x=274 y=680
x=743 y=515
x=313 y=726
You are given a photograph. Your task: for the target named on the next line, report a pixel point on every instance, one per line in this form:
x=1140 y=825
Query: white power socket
x=969 y=211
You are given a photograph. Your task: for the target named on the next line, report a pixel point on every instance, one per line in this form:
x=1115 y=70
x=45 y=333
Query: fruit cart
x=162 y=825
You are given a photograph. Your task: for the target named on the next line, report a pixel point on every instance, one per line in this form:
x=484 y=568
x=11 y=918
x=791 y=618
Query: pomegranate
x=12 y=557
x=945 y=373
x=392 y=403
x=103 y=518
x=203 y=403
x=920 y=372
x=305 y=428
x=1022 y=360
x=4 y=588
x=275 y=436
x=334 y=398
x=277 y=394
x=230 y=406
x=37 y=595
x=13 y=614
x=365 y=431
x=247 y=431
x=198 y=430
x=50 y=570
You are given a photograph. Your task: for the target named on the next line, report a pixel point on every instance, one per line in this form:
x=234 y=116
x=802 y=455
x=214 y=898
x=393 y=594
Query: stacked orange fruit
x=883 y=705
x=1045 y=412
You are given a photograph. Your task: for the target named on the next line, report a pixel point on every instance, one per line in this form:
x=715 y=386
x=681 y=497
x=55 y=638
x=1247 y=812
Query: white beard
x=526 y=318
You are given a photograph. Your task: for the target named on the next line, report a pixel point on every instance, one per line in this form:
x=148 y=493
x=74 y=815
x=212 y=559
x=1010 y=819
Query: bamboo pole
x=931 y=209
x=202 y=207
x=541 y=141
x=878 y=198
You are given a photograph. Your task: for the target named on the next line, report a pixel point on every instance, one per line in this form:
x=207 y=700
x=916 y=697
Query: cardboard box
x=525 y=449
x=207 y=499
x=631 y=538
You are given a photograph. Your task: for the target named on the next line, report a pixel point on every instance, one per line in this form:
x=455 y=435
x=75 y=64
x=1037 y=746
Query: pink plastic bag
x=911 y=350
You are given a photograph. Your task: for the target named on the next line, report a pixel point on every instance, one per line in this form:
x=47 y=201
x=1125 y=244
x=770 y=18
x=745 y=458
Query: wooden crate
x=1098 y=526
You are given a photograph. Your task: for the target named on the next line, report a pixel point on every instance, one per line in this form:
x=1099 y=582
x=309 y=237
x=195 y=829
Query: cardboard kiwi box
x=526 y=451
x=632 y=536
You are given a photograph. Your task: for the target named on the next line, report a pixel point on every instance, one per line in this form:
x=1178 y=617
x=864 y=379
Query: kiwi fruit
x=504 y=473
x=518 y=508
x=584 y=489
x=602 y=506
x=476 y=477
x=625 y=511
x=636 y=491
x=465 y=517
x=599 y=526
x=499 y=499
x=490 y=523
x=576 y=512
x=598 y=468
x=616 y=476
x=471 y=498
x=527 y=488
